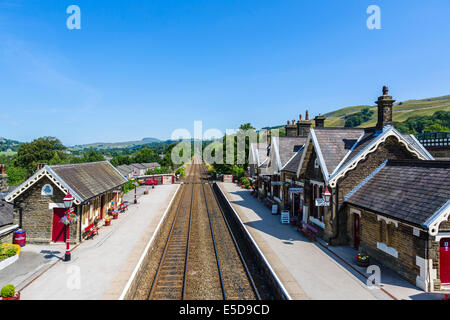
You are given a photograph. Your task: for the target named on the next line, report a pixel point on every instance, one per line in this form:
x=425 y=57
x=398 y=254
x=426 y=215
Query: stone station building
x=399 y=215
x=38 y=205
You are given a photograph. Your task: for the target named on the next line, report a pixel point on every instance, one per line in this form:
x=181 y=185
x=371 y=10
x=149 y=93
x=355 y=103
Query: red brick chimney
x=40 y=166
x=2 y=168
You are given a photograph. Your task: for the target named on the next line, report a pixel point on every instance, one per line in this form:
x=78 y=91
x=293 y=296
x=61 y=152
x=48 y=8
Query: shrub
x=8 y=291
x=7 y=251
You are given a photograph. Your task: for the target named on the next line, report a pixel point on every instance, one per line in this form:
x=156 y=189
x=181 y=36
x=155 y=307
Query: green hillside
x=8 y=146
x=402 y=111
x=115 y=145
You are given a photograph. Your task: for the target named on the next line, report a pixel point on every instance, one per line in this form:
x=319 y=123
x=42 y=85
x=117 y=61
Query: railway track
x=201 y=258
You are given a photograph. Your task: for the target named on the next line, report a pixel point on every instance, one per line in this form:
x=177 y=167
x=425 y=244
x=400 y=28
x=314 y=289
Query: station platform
x=101 y=267
x=314 y=270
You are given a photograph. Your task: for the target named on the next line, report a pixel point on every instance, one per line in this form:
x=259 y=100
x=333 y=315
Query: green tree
x=39 y=150
x=16 y=175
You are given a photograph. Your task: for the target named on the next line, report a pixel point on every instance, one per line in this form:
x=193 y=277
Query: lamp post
x=153 y=184
x=135 y=185
x=326 y=195
x=68 y=201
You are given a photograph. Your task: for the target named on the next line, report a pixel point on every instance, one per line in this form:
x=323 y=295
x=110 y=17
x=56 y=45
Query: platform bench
x=91 y=230
x=308 y=230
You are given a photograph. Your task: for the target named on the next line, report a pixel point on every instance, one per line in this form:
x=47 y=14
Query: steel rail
x=167 y=244
x=252 y=282
x=214 y=244
x=187 y=245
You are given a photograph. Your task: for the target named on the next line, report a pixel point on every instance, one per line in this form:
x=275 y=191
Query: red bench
x=308 y=230
x=91 y=230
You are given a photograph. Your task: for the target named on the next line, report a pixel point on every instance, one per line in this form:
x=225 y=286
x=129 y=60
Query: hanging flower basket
x=69 y=218
x=362 y=260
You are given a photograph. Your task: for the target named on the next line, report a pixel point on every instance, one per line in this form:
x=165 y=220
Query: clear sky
x=144 y=68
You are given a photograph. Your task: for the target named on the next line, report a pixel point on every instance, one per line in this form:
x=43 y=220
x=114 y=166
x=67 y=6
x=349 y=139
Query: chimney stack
x=319 y=121
x=307 y=115
x=303 y=126
x=291 y=129
x=40 y=166
x=3 y=179
x=385 y=104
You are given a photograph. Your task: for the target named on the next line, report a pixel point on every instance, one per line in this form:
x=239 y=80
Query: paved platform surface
x=100 y=267
x=311 y=270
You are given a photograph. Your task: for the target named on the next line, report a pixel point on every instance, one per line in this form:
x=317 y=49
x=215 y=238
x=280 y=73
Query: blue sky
x=144 y=68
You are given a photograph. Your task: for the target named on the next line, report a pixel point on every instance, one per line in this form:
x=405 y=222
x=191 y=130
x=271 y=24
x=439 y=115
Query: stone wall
x=4 y=182
x=391 y=149
x=400 y=238
x=32 y=213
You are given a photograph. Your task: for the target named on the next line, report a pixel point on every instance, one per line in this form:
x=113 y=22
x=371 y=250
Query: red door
x=102 y=203
x=357 y=233
x=58 y=234
x=445 y=261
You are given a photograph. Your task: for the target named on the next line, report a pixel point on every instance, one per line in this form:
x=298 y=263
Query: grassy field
x=7 y=153
x=402 y=111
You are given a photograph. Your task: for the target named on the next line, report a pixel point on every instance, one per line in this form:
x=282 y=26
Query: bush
x=7 y=251
x=8 y=291
x=181 y=172
x=245 y=182
x=129 y=186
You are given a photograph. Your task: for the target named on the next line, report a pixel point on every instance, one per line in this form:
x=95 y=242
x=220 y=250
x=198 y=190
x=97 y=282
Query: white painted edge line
x=141 y=259
x=288 y=296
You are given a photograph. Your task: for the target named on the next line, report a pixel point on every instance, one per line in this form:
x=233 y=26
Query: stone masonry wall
x=32 y=213
x=400 y=238
x=391 y=149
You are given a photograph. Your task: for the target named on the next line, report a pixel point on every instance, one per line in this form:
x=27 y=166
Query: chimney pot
x=307 y=115
x=301 y=116
x=2 y=169
x=385 y=104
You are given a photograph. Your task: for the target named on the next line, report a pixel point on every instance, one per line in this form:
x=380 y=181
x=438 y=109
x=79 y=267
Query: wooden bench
x=91 y=230
x=122 y=207
x=308 y=230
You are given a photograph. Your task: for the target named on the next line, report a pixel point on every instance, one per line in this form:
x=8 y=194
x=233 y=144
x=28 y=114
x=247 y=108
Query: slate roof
x=151 y=165
x=89 y=180
x=336 y=143
x=293 y=164
x=6 y=212
x=124 y=170
x=259 y=152
x=409 y=191
x=288 y=147
x=138 y=165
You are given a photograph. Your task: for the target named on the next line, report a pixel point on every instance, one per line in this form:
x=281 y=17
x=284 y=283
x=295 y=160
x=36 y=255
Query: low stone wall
x=265 y=280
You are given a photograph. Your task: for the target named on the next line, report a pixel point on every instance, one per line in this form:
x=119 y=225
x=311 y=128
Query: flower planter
x=107 y=222
x=16 y=297
x=8 y=261
x=362 y=263
x=362 y=260
x=115 y=216
x=145 y=191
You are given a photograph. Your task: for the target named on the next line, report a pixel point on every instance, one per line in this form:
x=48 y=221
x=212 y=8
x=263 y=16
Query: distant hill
x=115 y=145
x=401 y=112
x=7 y=145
